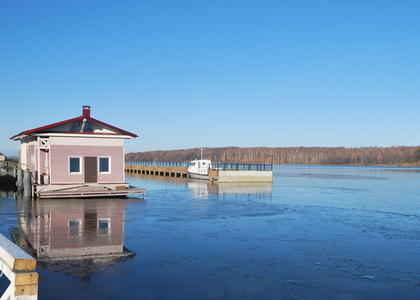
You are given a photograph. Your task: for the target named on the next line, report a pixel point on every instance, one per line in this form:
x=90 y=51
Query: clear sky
x=186 y=74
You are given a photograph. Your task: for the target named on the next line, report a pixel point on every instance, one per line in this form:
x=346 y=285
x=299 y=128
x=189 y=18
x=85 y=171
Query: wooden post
x=18 y=267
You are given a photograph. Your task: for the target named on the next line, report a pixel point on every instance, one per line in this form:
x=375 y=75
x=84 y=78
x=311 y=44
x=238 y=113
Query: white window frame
x=109 y=164
x=104 y=231
x=80 y=165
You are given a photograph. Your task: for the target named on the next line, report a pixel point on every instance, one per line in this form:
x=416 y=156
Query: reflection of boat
x=199 y=188
x=203 y=189
x=199 y=169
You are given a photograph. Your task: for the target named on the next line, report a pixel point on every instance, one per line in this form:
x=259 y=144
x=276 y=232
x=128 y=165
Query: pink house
x=78 y=152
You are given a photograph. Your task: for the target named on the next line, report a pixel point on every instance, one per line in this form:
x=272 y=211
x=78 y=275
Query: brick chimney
x=86 y=111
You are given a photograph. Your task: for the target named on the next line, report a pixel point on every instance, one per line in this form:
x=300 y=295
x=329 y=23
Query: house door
x=91 y=169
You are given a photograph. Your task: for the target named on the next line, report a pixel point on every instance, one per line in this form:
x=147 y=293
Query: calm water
x=315 y=233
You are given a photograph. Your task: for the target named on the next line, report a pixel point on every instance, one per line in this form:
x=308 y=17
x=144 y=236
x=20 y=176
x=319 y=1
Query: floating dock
x=87 y=191
x=221 y=172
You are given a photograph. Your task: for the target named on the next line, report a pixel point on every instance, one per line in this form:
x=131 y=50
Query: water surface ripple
x=316 y=232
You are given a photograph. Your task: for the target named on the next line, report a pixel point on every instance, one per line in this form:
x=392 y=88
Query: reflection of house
x=78 y=151
x=2 y=160
x=73 y=232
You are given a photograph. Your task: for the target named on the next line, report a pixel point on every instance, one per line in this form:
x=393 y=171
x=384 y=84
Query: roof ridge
x=87 y=117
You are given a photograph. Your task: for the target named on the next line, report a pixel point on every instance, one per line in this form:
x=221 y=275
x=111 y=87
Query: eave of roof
x=112 y=127
x=45 y=128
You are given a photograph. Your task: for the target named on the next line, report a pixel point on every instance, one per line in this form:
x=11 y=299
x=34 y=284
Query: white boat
x=199 y=169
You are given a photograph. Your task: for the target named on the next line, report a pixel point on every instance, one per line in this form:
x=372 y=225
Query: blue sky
x=186 y=74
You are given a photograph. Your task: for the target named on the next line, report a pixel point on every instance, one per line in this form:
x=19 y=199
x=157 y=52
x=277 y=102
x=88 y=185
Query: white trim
x=109 y=165
x=80 y=165
x=89 y=136
x=106 y=230
x=77 y=141
x=38 y=160
x=50 y=169
x=123 y=161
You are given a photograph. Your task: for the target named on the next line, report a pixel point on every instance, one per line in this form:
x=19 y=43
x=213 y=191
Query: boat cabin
x=199 y=168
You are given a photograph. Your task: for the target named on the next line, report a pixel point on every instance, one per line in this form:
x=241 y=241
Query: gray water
x=314 y=233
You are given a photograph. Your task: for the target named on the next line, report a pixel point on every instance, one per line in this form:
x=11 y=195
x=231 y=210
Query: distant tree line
x=393 y=156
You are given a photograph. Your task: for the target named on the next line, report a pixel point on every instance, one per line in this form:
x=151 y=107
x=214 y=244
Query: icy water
x=315 y=233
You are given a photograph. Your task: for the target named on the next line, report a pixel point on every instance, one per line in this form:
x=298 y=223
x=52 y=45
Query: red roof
x=86 y=115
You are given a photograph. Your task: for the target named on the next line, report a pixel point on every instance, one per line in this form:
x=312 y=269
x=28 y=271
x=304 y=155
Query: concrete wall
x=245 y=176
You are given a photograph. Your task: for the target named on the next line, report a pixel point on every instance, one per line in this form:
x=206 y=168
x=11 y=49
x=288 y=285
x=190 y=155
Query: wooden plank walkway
x=91 y=191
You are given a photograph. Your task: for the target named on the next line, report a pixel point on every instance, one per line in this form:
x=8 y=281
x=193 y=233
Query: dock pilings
x=24 y=182
x=19 y=179
x=168 y=171
x=27 y=184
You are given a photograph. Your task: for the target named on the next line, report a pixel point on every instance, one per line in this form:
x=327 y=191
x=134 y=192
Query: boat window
x=75 y=128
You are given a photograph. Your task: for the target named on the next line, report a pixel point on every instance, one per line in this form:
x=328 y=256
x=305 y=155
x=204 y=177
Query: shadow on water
x=7 y=184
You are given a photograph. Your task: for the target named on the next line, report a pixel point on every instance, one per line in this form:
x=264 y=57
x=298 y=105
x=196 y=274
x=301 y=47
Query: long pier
x=167 y=169
x=221 y=172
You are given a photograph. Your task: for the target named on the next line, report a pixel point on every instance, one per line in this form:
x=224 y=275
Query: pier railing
x=215 y=165
x=241 y=167
x=158 y=163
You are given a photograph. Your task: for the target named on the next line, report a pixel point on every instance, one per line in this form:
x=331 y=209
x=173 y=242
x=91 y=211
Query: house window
x=75 y=165
x=104 y=165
